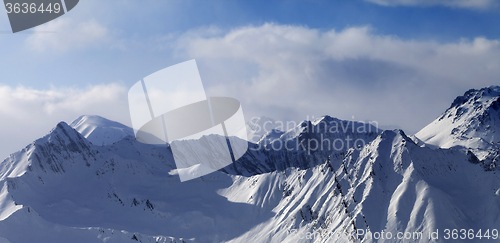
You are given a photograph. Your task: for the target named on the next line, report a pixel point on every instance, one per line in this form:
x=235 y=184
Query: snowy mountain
x=304 y=146
x=472 y=121
x=65 y=187
x=101 y=131
x=391 y=185
x=324 y=134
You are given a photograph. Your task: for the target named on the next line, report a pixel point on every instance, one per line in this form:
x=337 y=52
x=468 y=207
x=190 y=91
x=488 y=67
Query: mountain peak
x=48 y=153
x=475 y=95
x=65 y=136
x=62 y=125
x=472 y=120
x=396 y=135
x=101 y=131
x=60 y=131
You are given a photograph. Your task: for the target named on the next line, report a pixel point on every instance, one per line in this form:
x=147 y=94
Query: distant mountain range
x=92 y=181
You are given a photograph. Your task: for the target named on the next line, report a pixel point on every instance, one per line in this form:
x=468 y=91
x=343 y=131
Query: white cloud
x=473 y=4
x=293 y=71
x=288 y=72
x=64 y=34
x=28 y=114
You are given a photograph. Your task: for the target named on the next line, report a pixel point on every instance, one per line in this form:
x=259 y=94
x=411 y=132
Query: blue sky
x=399 y=62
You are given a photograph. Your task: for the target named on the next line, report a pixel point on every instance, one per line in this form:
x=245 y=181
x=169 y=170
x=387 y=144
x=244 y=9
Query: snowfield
x=92 y=181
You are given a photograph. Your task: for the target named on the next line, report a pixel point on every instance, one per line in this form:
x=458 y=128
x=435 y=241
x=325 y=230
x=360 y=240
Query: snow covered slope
x=392 y=185
x=101 y=131
x=64 y=188
x=472 y=121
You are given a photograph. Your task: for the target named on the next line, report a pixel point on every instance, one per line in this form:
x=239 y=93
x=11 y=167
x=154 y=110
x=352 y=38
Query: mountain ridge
x=472 y=122
x=63 y=187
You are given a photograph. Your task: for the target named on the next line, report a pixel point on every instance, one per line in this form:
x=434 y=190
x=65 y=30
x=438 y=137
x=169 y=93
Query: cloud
x=471 y=4
x=291 y=72
x=28 y=114
x=64 y=34
x=288 y=73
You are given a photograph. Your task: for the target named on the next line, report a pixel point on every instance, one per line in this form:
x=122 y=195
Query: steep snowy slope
x=101 y=131
x=62 y=185
x=69 y=188
x=473 y=120
x=63 y=188
x=392 y=185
